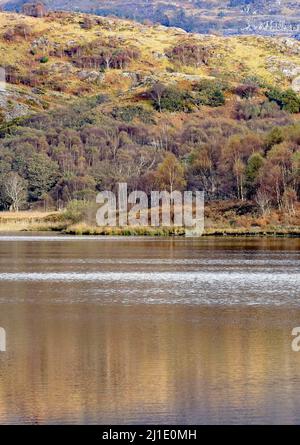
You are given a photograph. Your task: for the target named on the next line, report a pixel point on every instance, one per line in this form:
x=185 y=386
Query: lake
x=172 y=331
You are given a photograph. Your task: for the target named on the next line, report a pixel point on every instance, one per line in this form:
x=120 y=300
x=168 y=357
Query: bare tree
x=15 y=189
x=263 y=201
x=290 y=200
x=108 y=57
x=239 y=171
x=157 y=92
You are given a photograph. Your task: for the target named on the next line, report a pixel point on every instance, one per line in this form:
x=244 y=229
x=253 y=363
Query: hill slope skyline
x=227 y=17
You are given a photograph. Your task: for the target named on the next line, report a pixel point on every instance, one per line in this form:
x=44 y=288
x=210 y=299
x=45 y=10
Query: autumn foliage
x=103 y=109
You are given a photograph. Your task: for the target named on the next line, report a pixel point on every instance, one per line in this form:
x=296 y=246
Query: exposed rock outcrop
x=287 y=68
x=296 y=85
x=91 y=76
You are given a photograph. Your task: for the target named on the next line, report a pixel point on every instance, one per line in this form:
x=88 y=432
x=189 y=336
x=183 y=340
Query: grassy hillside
x=44 y=75
x=92 y=101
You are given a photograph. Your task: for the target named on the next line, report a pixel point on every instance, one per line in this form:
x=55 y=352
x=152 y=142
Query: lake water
x=175 y=331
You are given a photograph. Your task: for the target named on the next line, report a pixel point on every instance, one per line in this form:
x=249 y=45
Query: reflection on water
x=155 y=331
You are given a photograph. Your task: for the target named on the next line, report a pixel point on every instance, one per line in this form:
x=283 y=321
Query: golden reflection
x=72 y=359
x=81 y=364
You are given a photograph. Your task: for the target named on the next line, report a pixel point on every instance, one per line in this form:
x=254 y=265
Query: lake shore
x=36 y=221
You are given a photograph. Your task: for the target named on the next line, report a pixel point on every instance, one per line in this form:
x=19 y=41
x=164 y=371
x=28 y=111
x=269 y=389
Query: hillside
x=228 y=17
x=43 y=64
x=92 y=101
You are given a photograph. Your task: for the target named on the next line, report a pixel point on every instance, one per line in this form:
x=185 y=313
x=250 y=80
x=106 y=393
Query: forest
x=238 y=139
x=71 y=153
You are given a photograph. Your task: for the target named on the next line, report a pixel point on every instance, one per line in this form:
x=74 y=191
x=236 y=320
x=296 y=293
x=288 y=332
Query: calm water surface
x=115 y=330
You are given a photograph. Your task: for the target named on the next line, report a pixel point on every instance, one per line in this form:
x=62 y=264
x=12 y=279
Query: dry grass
x=237 y=55
x=31 y=221
x=221 y=220
x=267 y=231
x=84 y=229
x=25 y=215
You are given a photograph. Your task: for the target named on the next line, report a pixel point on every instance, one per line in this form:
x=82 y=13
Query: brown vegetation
x=34 y=9
x=142 y=122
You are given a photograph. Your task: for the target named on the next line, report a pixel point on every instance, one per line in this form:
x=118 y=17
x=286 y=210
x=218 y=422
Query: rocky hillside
x=228 y=17
x=62 y=56
x=87 y=101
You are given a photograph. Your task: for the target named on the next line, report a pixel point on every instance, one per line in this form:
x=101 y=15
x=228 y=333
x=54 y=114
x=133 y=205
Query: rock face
x=11 y=106
x=296 y=85
x=287 y=68
x=288 y=45
x=134 y=77
x=91 y=76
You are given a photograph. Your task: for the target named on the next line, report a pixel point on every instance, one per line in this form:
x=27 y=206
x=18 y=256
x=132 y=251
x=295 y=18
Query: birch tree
x=15 y=189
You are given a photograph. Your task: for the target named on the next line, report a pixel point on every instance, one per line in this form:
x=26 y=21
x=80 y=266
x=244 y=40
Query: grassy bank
x=32 y=221
x=82 y=229
x=62 y=222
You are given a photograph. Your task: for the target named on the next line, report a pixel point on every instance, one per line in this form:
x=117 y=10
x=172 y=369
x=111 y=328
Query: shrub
x=9 y=35
x=22 y=30
x=254 y=164
x=76 y=211
x=87 y=23
x=44 y=59
x=287 y=100
x=189 y=53
x=274 y=137
x=176 y=100
x=130 y=112
x=210 y=93
x=247 y=110
x=170 y=99
x=246 y=91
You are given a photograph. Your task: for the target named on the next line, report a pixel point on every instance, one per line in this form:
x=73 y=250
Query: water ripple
x=154 y=276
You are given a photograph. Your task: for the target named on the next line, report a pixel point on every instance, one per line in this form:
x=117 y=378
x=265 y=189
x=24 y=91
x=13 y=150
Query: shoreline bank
x=55 y=222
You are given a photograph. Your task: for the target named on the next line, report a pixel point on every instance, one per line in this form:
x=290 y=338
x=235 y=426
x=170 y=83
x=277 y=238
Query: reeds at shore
x=61 y=222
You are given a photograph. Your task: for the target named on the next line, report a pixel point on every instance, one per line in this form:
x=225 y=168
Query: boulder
x=296 y=84
x=187 y=77
x=91 y=76
x=12 y=109
x=287 y=68
x=136 y=78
